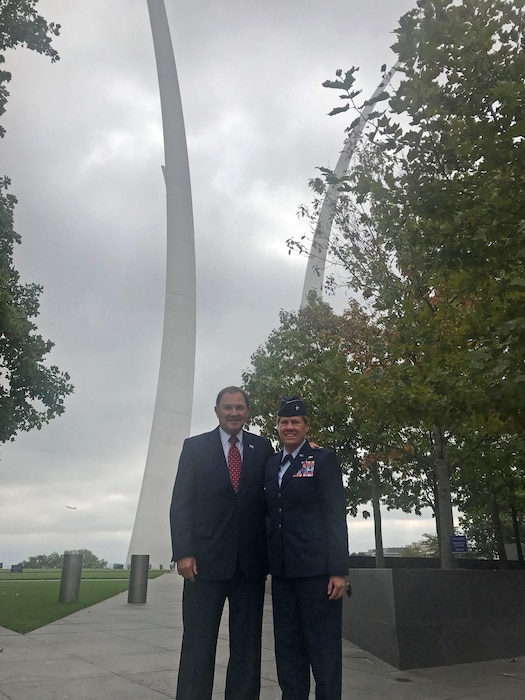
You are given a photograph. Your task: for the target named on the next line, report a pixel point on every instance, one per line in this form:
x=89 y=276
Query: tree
x=90 y=560
x=323 y=357
x=491 y=493
x=427 y=546
x=432 y=234
x=31 y=393
x=21 y=25
x=462 y=169
x=43 y=561
x=312 y=354
x=54 y=560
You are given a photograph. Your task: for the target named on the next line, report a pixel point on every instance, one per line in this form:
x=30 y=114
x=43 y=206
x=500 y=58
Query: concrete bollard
x=70 y=578
x=138 y=578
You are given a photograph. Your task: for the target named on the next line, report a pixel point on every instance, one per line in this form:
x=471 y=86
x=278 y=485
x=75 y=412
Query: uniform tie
x=234 y=463
x=285 y=463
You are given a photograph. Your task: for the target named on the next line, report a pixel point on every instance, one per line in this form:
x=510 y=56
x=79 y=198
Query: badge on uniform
x=307 y=468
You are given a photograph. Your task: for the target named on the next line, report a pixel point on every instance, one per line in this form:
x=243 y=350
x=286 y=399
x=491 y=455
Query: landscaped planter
x=413 y=618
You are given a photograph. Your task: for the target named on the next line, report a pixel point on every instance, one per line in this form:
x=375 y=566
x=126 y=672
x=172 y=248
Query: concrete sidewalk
x=119 y=651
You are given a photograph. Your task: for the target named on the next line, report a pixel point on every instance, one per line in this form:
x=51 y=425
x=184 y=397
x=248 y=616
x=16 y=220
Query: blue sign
x=458 y=544
x=17 y=569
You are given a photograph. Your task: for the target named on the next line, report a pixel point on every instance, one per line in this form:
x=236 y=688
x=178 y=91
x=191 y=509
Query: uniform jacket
x=308 y=533
x=212 y=523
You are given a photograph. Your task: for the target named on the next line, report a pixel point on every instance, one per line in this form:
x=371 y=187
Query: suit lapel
x=220 y=471
x=215 y=447
x=275 y=466
x=249 y=451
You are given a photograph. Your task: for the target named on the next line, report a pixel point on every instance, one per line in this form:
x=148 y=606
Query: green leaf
x=338 y=110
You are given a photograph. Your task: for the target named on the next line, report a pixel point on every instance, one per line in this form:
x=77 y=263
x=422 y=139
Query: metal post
x=70 y=579
x=138 y=578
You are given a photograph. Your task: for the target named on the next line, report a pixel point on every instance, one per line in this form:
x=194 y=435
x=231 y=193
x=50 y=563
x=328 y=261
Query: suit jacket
x=212 y=523
x=308 y=534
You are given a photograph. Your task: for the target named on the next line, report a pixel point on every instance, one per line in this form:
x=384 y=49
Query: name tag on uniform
x=307 y=469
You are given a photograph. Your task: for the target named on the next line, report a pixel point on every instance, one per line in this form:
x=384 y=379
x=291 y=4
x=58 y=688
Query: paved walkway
x=117 y=651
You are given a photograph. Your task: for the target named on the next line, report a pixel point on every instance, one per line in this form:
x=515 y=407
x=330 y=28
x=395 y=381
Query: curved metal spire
x=173 y=403
x=315 y=268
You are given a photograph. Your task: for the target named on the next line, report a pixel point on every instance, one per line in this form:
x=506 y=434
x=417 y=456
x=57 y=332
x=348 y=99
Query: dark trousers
x=202 y=606
x=308 y=633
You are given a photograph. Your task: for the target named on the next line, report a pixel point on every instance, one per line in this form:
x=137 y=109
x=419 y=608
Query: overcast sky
x=84 y=152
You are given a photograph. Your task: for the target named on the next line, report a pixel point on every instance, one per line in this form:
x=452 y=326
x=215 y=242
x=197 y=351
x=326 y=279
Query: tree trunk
x=446 y=519
x=376 y=497
x=498 y=530
x=436 y=512
x=517 y=534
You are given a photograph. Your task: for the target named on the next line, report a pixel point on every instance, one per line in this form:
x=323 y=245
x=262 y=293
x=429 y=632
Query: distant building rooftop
x=388 y=552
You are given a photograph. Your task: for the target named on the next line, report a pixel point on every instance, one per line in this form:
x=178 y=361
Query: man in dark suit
x=308 y=549
x=219 y=543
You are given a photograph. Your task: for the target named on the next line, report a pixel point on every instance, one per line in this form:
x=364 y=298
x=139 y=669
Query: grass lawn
x=30 y=600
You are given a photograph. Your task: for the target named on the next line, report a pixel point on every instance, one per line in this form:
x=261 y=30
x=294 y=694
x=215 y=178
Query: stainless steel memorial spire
x=315 y=268
x=173 y=403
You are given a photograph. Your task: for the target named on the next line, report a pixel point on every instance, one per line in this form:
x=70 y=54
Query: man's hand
x=336 y=587
x=187 y=568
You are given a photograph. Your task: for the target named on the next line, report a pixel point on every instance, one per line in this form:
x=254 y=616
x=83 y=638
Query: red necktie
x=234 y=463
